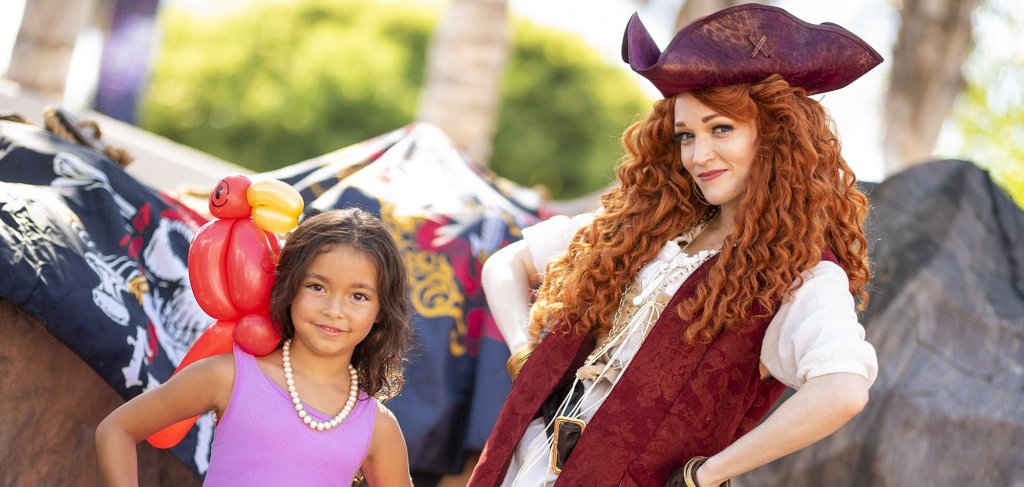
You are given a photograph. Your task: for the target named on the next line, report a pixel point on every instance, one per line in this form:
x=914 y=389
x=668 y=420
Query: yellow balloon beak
x=276 y=206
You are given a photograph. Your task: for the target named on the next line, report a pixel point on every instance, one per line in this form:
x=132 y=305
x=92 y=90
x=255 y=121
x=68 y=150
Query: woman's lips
x=709 y=175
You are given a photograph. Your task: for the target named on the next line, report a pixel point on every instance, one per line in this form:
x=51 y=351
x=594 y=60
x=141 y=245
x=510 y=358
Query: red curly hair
x=800 y=199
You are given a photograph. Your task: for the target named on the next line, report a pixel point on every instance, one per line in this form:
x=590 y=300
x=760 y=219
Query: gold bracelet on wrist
x=690 y=472
x=517 y=360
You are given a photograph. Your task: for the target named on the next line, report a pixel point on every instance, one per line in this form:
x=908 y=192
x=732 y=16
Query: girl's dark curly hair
x=800 y=199
x=380 y=357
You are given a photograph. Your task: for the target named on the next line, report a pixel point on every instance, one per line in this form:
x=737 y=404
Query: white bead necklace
x=353 y=394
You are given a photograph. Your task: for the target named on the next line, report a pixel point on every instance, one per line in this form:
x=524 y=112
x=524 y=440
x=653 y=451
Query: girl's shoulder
x=382 y=411
x=221 y=366
x=213 y=375
x=387 y=459
x=387 y=434
x=385 y=424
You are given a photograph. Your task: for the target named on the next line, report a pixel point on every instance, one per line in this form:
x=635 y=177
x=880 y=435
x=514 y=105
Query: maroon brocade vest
x=676 y=400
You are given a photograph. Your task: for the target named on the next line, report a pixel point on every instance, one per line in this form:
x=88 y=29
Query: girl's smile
x=330 y=330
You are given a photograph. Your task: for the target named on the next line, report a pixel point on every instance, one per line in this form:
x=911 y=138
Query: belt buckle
x=567 y=433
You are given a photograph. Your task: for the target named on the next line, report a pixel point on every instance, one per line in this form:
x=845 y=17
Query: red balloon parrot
x=231 y=266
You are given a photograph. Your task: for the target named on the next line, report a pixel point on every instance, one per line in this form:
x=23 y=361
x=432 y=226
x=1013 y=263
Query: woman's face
x=717 y=151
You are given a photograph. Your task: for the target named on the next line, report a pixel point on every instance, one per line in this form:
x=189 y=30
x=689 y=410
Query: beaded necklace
x=314 y=424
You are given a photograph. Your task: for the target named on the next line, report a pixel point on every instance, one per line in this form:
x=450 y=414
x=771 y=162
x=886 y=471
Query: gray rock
x=946 y=315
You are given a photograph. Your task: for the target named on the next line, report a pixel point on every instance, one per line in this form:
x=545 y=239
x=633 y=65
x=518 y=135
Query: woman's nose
x=703 y=151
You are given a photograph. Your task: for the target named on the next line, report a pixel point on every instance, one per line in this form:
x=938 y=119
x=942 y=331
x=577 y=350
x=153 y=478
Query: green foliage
x=283 y=82
x=993 y=136
x=990 y=111
x=563 y=111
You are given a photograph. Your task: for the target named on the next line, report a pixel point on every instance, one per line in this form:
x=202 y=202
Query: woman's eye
x=315 y=287
x=361 y=297
x=721 y=129
x=682 y=136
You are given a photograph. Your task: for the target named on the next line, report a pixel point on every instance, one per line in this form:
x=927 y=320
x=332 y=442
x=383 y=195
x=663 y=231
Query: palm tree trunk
x=42 y=51
x=465 y=68
x=934 y=40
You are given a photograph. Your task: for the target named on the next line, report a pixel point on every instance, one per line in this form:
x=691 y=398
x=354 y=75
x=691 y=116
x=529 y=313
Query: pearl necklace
x=314 y=424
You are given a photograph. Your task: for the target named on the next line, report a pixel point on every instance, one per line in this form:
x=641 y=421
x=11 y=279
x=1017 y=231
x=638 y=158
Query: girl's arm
x=818 y=409
x=507 y=277
x=200 y=387
x=387 y=458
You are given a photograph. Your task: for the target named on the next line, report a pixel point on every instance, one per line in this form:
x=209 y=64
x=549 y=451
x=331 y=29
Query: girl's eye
x=361 y=297
x=682 y=136
x=721 y=129
x=315 y=287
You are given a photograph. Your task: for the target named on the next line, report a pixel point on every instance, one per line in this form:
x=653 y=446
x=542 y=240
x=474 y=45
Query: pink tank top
x=261 y=440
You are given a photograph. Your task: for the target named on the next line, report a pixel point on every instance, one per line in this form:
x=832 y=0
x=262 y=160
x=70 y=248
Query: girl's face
x=337 y=303
x=717 y=151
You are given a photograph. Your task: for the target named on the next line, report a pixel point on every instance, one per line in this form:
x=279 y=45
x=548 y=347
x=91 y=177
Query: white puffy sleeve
x=551 y=237
x=817 y=332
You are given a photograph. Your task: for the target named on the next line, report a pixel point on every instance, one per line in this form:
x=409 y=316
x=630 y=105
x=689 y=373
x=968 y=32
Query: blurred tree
x=283 y=82
x=990 y=112
x=46 y=39
x=465 y=65
x=563 y=112
x=692 y=10
x=933 y=41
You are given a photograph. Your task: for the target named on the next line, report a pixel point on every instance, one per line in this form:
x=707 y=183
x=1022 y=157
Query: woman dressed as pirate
x=726 y=266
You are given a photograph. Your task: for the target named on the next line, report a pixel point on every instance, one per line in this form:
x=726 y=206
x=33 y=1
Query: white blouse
x=814 y=333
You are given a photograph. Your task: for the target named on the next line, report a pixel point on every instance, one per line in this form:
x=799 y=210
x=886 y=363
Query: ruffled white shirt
x=814 y=333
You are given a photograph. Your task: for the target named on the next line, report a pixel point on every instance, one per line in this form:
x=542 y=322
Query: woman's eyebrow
x=680 y=123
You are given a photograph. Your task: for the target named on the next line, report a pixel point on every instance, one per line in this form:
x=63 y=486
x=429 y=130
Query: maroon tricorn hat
x=746 y=44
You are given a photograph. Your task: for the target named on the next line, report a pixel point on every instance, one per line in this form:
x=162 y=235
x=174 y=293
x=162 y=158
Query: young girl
x=305 y=414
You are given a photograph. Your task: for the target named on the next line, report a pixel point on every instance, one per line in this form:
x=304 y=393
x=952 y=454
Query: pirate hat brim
x=746 y=44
